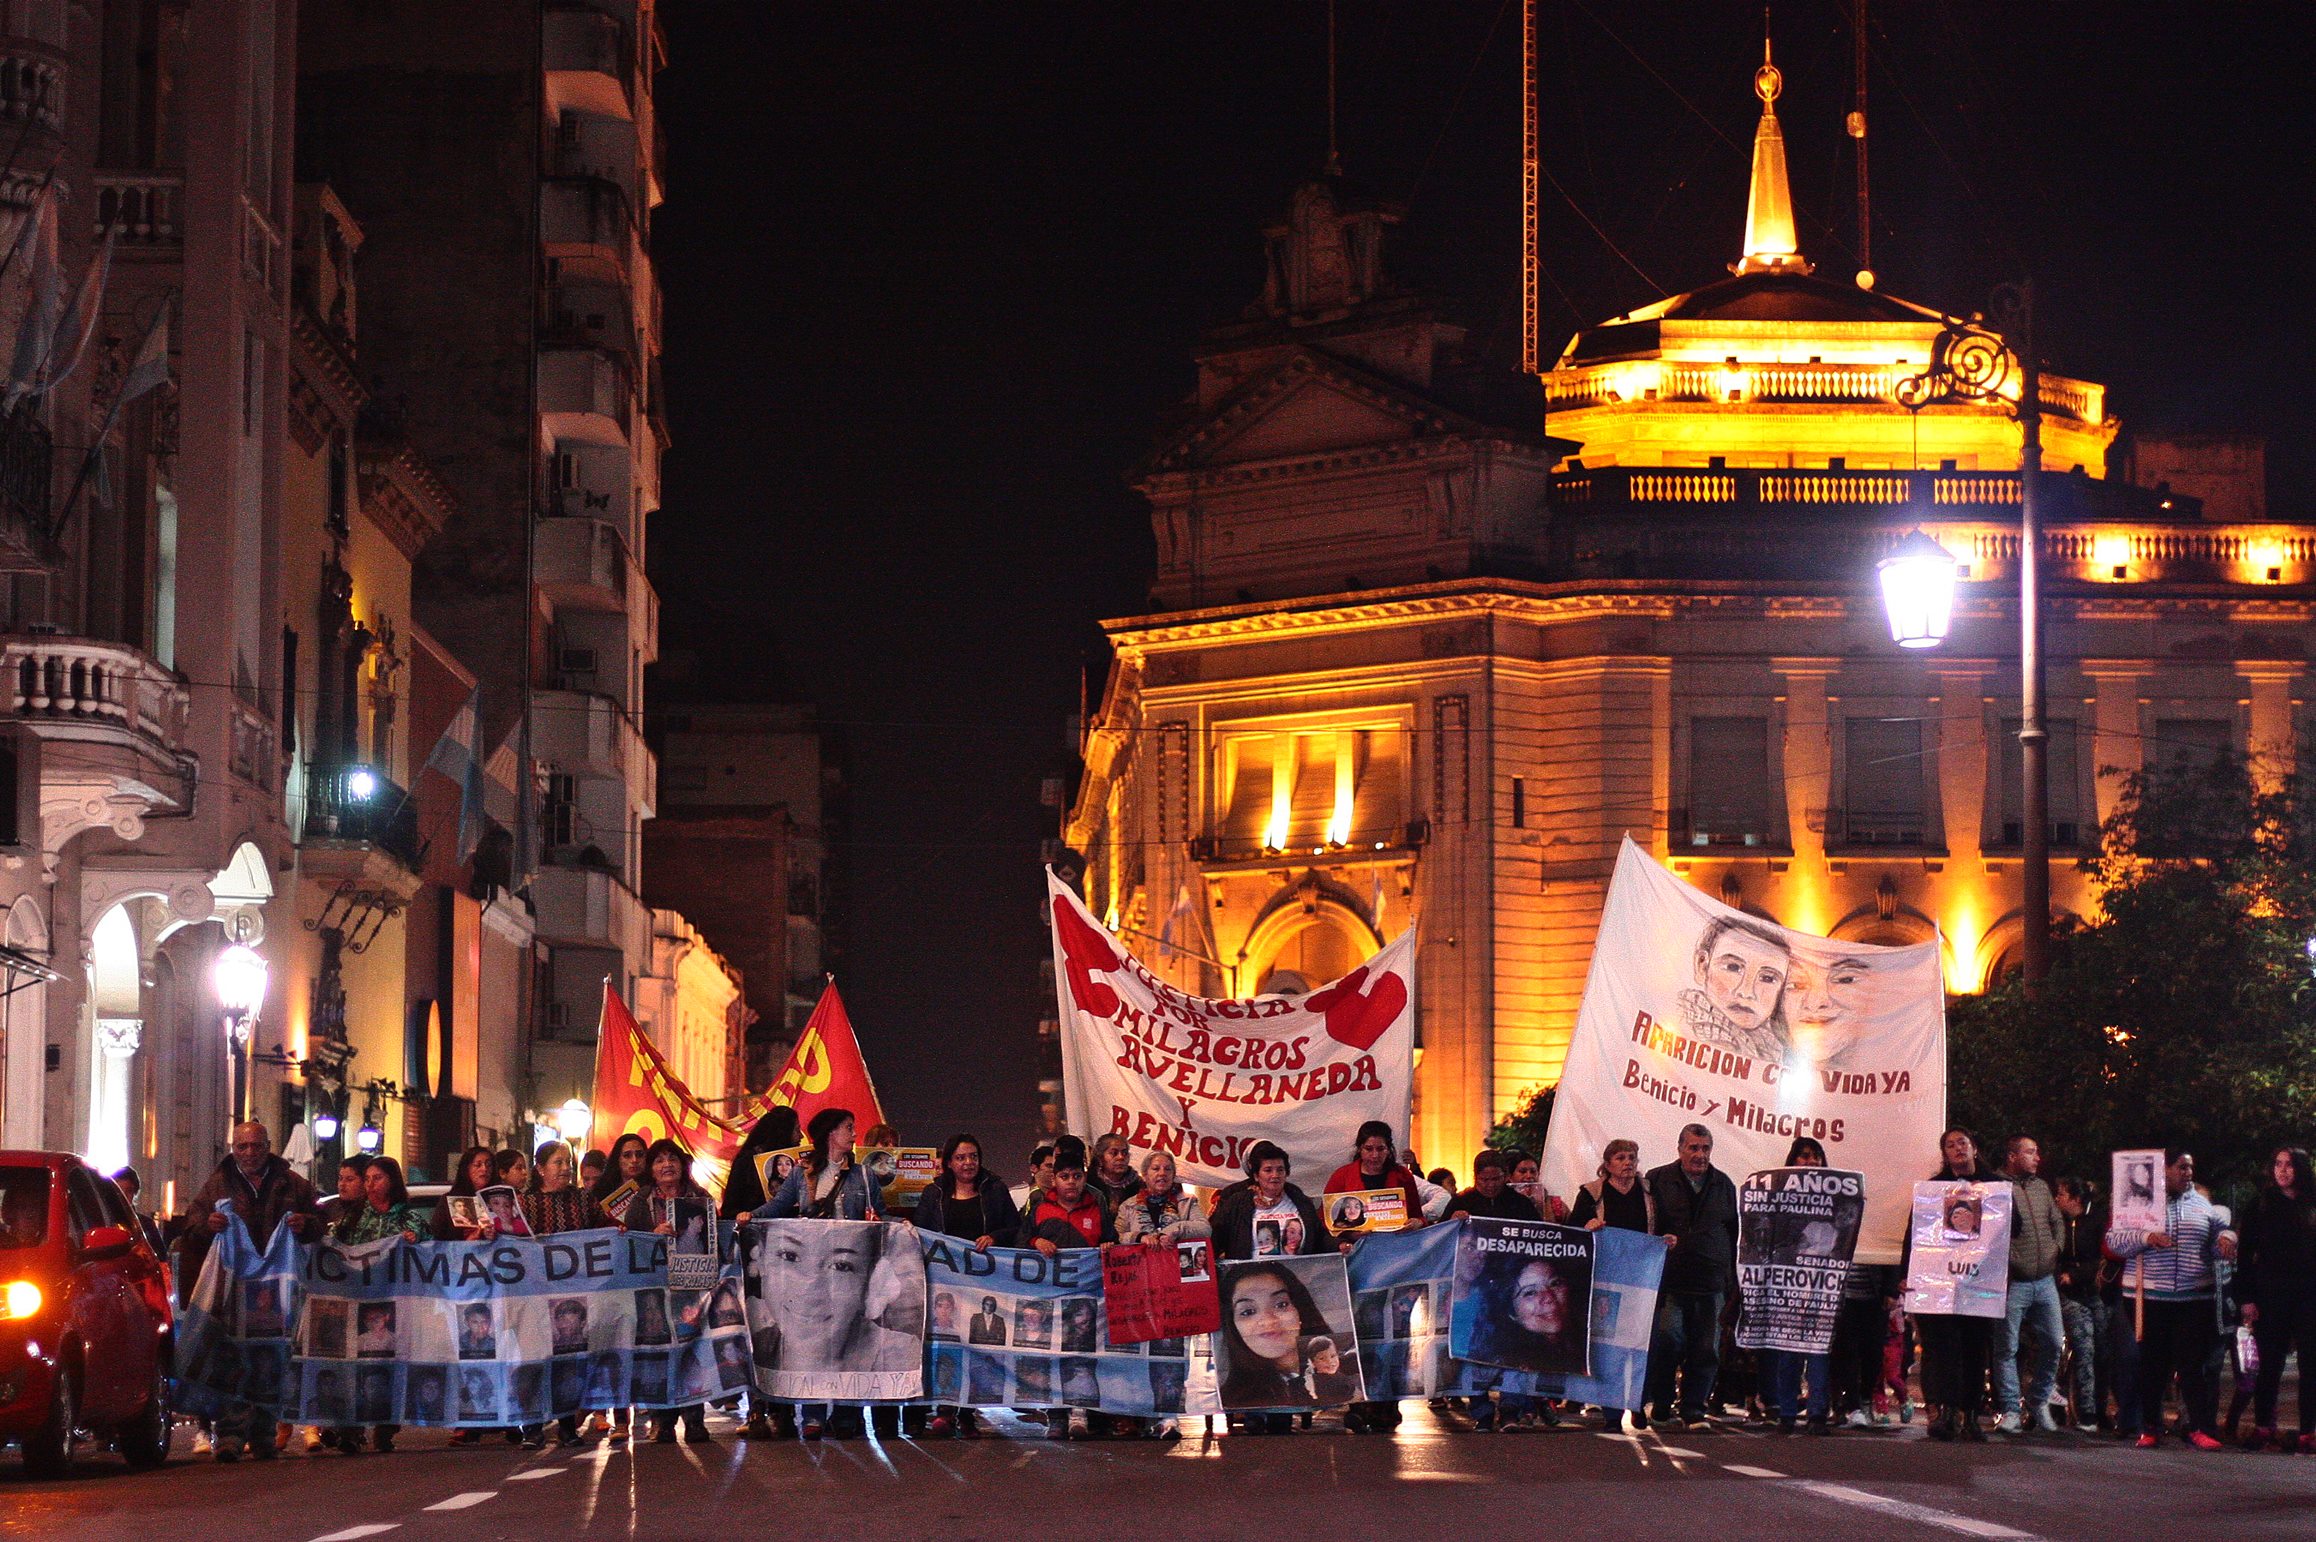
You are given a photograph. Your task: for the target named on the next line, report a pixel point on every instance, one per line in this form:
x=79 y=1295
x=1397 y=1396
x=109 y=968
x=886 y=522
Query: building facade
x=1416 y=662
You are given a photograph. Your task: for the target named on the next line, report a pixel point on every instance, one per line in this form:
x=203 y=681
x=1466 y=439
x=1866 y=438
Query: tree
x=2185 y=1012
x=1523 y=1128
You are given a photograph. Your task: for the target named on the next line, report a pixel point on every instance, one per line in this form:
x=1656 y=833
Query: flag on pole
x=636 y=1092
x=148 y=371
x=36 y=244
x=455 y=755
x=69 y=341
x=826 y=1070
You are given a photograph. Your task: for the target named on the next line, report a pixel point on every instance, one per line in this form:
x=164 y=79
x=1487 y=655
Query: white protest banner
x=836 y=1309
x=1797 y=1230
x=2136 y=1202
x=1960 y=1264
x=1202 y=1080
x=1697 y=1013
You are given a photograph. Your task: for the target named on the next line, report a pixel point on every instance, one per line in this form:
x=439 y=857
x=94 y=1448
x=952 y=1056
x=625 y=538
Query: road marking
x=1445 y=1477
x=466 y=1501
x=536 y=1472
x=1680 y=1451
x=351 y=1532
x=1752 y=1472
x=1966 y=1524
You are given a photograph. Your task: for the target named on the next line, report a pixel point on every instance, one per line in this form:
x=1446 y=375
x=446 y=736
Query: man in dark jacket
x=1696 y=1214
x=1491 y=1196
x=2033 y=1310
x=260 y=1188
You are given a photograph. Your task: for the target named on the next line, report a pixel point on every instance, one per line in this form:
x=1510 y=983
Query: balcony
x=1637 y=380
x=590 y=907
x=144 y=210
x=590 y=59
x=586 y=394
x=112 y=728
x=32 y=79
x=361 y=828
x=581 y=733
x=582 y=215
x=583 y=564
x=27 y=490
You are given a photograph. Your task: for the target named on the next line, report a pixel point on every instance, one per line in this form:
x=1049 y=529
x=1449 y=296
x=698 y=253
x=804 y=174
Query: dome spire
x=1770 y=246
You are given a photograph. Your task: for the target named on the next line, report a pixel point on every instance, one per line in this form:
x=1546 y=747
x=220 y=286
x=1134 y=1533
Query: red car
x=86 y=1328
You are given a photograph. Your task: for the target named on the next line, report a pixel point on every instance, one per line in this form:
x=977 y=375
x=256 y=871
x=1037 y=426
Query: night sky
x=933 y=273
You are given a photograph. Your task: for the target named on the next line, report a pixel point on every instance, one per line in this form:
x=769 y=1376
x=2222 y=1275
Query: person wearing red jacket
x=1068 y=1215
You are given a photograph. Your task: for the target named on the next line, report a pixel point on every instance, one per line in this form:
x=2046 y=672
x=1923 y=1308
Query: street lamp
x=239 y=976
x=573 y=1120
x=368 y=1138
x=361 y=784
x=1918 y=591
x=325 y=1125
x=1972 y=360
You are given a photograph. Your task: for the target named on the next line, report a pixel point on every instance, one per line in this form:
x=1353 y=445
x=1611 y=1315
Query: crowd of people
x=2102 y=1324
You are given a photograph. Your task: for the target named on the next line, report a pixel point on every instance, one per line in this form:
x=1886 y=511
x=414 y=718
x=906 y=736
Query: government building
x=1419 y=655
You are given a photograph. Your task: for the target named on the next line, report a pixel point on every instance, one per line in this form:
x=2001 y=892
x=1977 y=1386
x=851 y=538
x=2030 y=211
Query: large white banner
x=1695 y=1013
x=1204 y=1080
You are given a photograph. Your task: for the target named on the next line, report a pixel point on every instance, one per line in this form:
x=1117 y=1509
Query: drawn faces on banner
x=1287 y=1338
x=837 y=1309
x=1695 y=1012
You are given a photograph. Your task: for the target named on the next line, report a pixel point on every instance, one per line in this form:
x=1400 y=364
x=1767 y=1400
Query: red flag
x=825 y=1070
x=636 y=1091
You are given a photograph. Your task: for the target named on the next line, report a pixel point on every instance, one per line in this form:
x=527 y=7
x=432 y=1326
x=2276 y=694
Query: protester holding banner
x=511 y=1169
x=2277 y=1280
x=624 y=1178
x=972 y=1204
x=555 y=1203
x=1491 y=1196
x=1696 y=1214
x=1782 y=1369
x=386 y=1213
x=828 y=1184
x=1955 y=1346
x=1269 y=1315
x=673 y=1205
x=2179 y=1328
x=476 y=1171
x=1164 y=1211
x=1112 y=1175
x=2083 y=1310
x=1267 y=1215
x=744 y=1189
x=1617 y=1197
x=1371 y=1167
x=1069 y=1215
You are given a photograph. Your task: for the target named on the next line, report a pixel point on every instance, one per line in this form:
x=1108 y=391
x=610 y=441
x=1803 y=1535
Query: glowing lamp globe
x=369 y=1137
x=573 y=1120
x=240 y=977
x=325 y=1126
x=1918 y=591
x=361 y=784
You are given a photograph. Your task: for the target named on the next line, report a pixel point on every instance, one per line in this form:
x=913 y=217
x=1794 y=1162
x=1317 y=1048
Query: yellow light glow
x=19 y=1299
x=1732 y=384
x=2267 y=560
x=2111 y=551
x=1346 y=787
x=1282 y=794
x=1963 y=930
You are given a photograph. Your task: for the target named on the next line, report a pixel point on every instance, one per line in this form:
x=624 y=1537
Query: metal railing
x=356 y=803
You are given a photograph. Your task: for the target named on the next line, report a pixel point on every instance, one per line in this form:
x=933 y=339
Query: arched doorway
x=1309 y=934
x=116 y=1030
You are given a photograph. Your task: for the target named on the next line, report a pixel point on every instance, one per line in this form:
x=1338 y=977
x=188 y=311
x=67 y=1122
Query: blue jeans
x=2086 y=1320
x=1687 y=1338
x=1781 y=1371
x=2033 y=1304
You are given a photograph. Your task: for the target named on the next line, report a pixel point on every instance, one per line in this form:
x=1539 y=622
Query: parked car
x=86 y=1327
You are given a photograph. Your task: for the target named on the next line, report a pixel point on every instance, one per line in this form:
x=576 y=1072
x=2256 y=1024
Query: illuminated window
x=1306 y=789
x=1882 y=782
x=1730 y=797
x=2060 y=761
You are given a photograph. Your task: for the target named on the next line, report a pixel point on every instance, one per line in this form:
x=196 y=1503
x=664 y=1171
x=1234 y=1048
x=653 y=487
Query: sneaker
x=1859 y=1419
x=2260 y=1440
x=2147 y=1442
x=2203 y=1442
x=2008 y=1424
x=941 y=1427
x=1697 y=1423
x=2306 y=1445
x=758 y=1427
x=814 y=1429
x=2044 y=1420
x=1905 y=1410
x=696 y=1434
x=384 y=1440
x=1057 y=1424
x=535 y=1439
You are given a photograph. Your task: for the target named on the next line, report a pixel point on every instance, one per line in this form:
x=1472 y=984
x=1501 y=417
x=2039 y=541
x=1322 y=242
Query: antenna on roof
x=1334 y=155
x=1856 y=124
x=1531 y=159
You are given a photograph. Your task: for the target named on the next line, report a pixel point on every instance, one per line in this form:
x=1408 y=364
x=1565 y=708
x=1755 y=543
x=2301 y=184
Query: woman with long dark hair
x=973 y=1205
x=385 y=1212
x=474 y=1174
x=630 y=1164
x=1267 y=1315
x=828 y=1185
x=2276 y=1263
x=1955 y=1348
x=672 y=1204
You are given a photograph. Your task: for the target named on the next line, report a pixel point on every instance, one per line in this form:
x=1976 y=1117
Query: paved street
x=1428 y=1481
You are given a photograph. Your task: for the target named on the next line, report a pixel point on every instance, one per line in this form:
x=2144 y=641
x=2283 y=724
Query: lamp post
x=240 y=976
x=1972 y=361
x=573 y=1120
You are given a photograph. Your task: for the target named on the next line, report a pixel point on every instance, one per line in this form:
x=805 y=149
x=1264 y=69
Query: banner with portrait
x=1013 y=1328
x=1696 y=1013
x=836 y=1310
x=1797 y=1233
x=505 y=1332
x=1364 y=1210
x=1202 y=1080
x=1158 y=1290
x=1402 y=1288
x=2136 y=1197
x=1960 y=1260
x=1523 y=1296
x=1288 y=1337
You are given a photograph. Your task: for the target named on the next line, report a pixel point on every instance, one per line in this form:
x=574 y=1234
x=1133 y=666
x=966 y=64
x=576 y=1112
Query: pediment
x=1308 y=405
